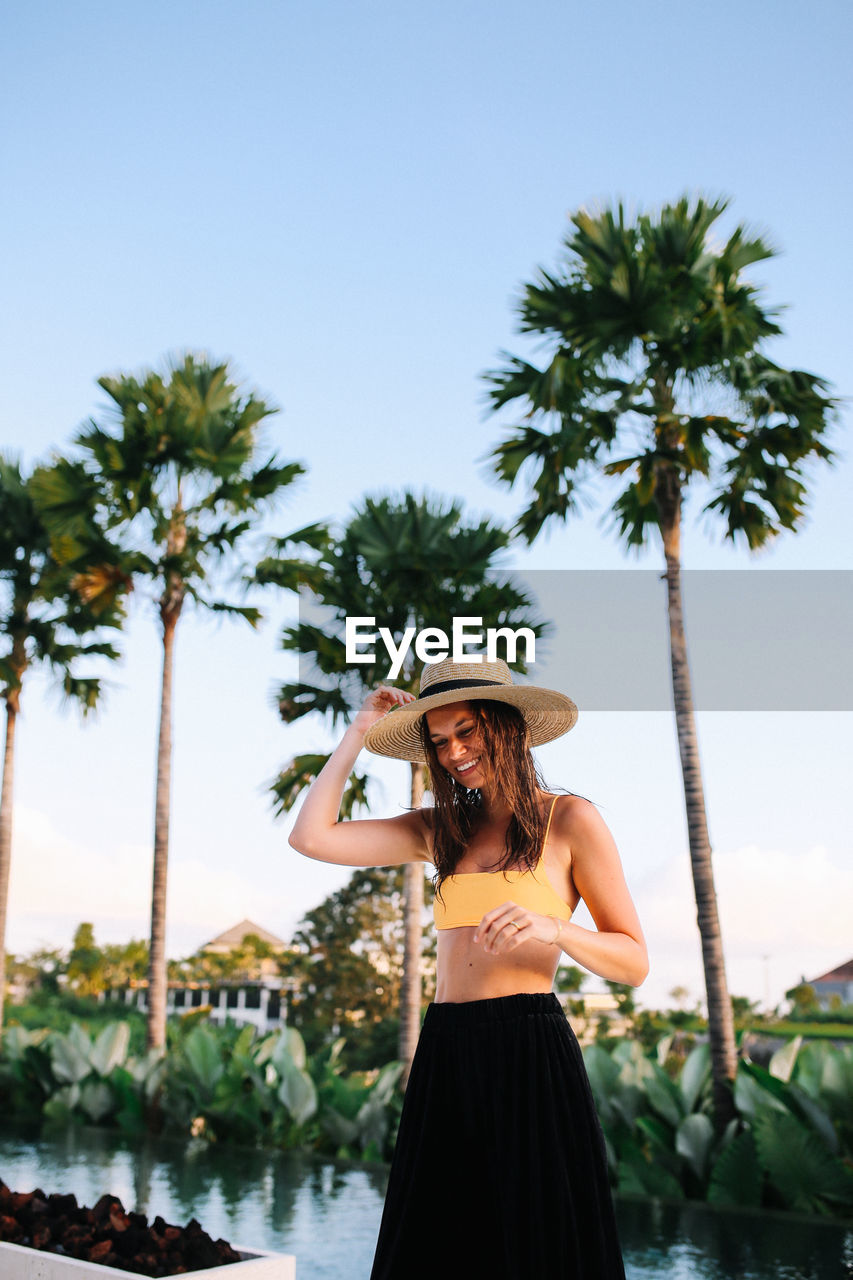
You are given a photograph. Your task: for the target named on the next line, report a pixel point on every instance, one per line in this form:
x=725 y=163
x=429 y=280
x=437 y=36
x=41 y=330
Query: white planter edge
x=19 y=1262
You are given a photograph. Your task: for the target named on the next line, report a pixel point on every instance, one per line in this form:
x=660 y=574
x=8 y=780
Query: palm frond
x=656 y=306
x=297 y=700
x=298 y=775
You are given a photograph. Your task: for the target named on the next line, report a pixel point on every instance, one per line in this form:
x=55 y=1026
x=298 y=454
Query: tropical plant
x=178 y=485
x=658 y=373
x=789 y=1145
x=45 y=622
x=216 y=1083
x=411 y=562
x=62 y=1076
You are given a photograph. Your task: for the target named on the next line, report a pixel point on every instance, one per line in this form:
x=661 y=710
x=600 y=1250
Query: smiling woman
x=498 y=1111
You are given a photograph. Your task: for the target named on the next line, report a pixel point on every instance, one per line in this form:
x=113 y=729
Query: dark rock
x=108 y=1235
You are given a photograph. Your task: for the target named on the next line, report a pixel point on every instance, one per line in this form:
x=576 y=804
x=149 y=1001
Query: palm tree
x=658 y=374
x=43 y=622
x=407 y=562
x=179 y=485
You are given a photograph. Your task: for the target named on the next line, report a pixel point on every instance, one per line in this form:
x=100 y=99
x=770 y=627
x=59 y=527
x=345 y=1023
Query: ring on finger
x=515 y=922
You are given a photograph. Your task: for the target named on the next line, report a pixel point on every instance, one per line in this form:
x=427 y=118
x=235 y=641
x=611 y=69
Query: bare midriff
x=464 y=971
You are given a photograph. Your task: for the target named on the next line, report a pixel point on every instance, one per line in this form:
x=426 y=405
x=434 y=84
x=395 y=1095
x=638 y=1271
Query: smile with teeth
x=464 y=768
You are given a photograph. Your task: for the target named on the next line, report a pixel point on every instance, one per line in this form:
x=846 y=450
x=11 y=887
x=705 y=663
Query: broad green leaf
x=694 y=1075
x=781 y=1064
x=202 y=1053
x=69 y=1061
x=693 y=1141
x=244 y=1041
x=289 y=1051
x=299 y=1095
x=837 y=1075
x=754 y=1095
x=603 y=1072
x=628 y=1101
x=342 y=1131
x=264 y=1048
x=96 y=1099
x=17 y=1039
x=736 y=1175
x=665 y=1097
x=386 y=1082
x=808 y=1069
x=663 y=1047
x=628 y=1051
x=799 y=1166
x=60 y=1107
x=373 y=1124
x=815 y=1116
x=650 y=1178
x=110 y=1048
x=660 y=1137
x=296 y=1047
x=80 y=1038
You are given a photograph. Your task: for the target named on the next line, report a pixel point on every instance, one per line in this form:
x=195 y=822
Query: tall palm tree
x=657 y=373
x=408 y=562
x=179 y=483
x=43 y=622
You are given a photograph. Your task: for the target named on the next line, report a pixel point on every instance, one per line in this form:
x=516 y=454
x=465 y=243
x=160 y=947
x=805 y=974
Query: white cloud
x=56 y=883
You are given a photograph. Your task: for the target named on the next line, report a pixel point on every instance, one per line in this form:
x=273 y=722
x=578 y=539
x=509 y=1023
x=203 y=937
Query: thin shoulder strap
x=547 y=828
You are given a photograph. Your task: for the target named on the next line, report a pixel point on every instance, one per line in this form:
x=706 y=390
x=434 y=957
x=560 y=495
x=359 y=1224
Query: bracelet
x=558 y=922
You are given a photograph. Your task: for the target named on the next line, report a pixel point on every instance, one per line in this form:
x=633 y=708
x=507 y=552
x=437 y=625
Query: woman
x=499 y=1169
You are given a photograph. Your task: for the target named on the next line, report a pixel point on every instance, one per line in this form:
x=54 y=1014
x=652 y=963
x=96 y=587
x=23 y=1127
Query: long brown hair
x=509 y=764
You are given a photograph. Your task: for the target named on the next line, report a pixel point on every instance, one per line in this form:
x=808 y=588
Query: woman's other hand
x=508 y=926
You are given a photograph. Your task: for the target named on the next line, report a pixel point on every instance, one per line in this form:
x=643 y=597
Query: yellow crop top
x=466 y=898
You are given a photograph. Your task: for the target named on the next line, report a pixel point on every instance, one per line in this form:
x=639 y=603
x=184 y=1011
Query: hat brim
x=548 y=714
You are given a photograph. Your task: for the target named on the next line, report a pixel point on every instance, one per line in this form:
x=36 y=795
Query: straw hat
x=548 y=714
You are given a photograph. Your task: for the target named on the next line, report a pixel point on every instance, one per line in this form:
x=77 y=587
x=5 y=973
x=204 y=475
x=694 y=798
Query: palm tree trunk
x=6 y=839
x=157 y=958
x=413 y=906
x=720 y=1020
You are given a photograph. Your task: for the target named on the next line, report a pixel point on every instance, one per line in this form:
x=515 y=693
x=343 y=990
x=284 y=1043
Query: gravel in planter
x=106 y=1234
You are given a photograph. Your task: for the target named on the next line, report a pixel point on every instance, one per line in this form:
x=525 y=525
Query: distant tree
x=657 y=372
x=86 y=970
x=38 y=971
x=125 y=962
x=570 y=978
x=346 y=969
x=179 y=486
x=44 y=622
x=247 y=958
x=624 y=996
x=743 y=1008
x=803 y=998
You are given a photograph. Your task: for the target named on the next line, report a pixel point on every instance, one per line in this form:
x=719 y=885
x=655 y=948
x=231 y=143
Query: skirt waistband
x=448 y=1015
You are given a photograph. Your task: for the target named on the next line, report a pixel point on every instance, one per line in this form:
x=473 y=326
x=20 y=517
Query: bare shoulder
x=578 y=822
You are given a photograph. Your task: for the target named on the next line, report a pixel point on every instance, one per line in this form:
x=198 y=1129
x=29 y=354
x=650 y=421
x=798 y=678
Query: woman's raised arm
x=369 y=842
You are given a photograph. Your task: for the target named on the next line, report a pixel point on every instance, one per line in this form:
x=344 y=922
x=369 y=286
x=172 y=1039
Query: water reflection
x=686 y=1241
x=328 y=1214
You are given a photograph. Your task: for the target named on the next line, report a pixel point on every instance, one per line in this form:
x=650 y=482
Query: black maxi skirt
x=499 y=1169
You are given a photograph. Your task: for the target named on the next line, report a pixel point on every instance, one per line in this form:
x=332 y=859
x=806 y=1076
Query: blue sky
x=344 y=200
